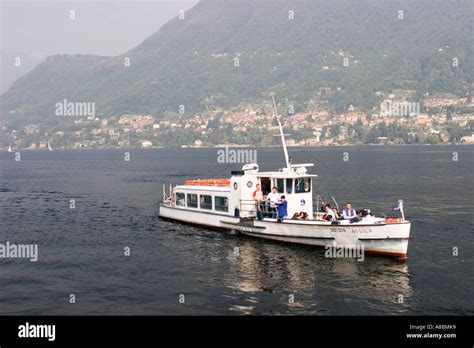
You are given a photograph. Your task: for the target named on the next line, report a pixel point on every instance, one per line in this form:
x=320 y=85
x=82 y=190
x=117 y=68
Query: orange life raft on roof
x=208 y=182
x=393 y=220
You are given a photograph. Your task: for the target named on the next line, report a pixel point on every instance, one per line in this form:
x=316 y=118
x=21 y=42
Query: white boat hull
x=197 y=217
x=376 y=237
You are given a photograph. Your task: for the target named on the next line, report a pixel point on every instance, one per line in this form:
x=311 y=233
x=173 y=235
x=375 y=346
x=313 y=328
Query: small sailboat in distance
x=10 y=148
x=49 y=146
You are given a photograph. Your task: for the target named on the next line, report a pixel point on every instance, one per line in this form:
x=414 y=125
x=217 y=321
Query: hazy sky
x=33 y=30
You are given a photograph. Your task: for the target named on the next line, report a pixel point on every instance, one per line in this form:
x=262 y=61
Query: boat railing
x=249 y=208
x=168 y=198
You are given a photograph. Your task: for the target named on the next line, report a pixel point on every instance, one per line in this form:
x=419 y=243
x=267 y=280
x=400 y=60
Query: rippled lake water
x=81 y=250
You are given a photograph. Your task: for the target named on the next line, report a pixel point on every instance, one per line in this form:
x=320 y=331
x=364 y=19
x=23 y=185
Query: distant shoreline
x=234 y=146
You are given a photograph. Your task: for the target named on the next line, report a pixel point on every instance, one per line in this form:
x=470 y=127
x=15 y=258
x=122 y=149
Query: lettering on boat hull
x=353 y=230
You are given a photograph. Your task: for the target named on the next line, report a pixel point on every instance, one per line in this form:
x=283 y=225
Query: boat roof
x=284 y=174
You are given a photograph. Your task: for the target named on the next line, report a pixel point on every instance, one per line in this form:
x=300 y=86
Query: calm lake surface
x=81 y=250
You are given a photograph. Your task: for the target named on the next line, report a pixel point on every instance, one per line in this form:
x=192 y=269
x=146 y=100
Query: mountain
x=191 y=61
x=11 y=73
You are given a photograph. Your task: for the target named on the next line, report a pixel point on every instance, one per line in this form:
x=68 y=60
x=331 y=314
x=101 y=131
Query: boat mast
x=282 y=135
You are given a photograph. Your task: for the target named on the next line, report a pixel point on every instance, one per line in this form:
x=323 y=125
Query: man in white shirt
x=329 y=216
x=273 y=197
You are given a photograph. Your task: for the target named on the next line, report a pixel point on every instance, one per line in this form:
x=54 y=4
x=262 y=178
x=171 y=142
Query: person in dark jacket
x=282 y=207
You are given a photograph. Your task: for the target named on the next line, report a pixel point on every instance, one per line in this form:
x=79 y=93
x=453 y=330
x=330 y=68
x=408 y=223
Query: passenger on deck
x=336 y=214
x=304 y=216
x=282 y=206
x=296 y=216
x=349 y=213
x=329 y=216
x=273 y=198
x=257 y=196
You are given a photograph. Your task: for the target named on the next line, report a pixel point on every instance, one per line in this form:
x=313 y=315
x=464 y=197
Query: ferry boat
x=227 y=204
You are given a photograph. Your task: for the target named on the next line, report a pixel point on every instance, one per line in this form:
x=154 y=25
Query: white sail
x=49 y=147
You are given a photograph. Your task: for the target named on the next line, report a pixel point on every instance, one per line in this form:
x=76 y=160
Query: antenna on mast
x=282 y=135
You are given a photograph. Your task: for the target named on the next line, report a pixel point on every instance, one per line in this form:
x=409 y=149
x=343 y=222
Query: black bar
x=133 y=330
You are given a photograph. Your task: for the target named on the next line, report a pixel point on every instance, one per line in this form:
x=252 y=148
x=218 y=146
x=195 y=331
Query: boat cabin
x=203 y=197
x=294 y=184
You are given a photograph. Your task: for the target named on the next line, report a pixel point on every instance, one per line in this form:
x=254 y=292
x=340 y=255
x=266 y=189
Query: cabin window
x=206 y=202
x=192 y=200
x=180 y=199
x=289 y=185
x=303 y=185
x=280 y=185
x=221 y=203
